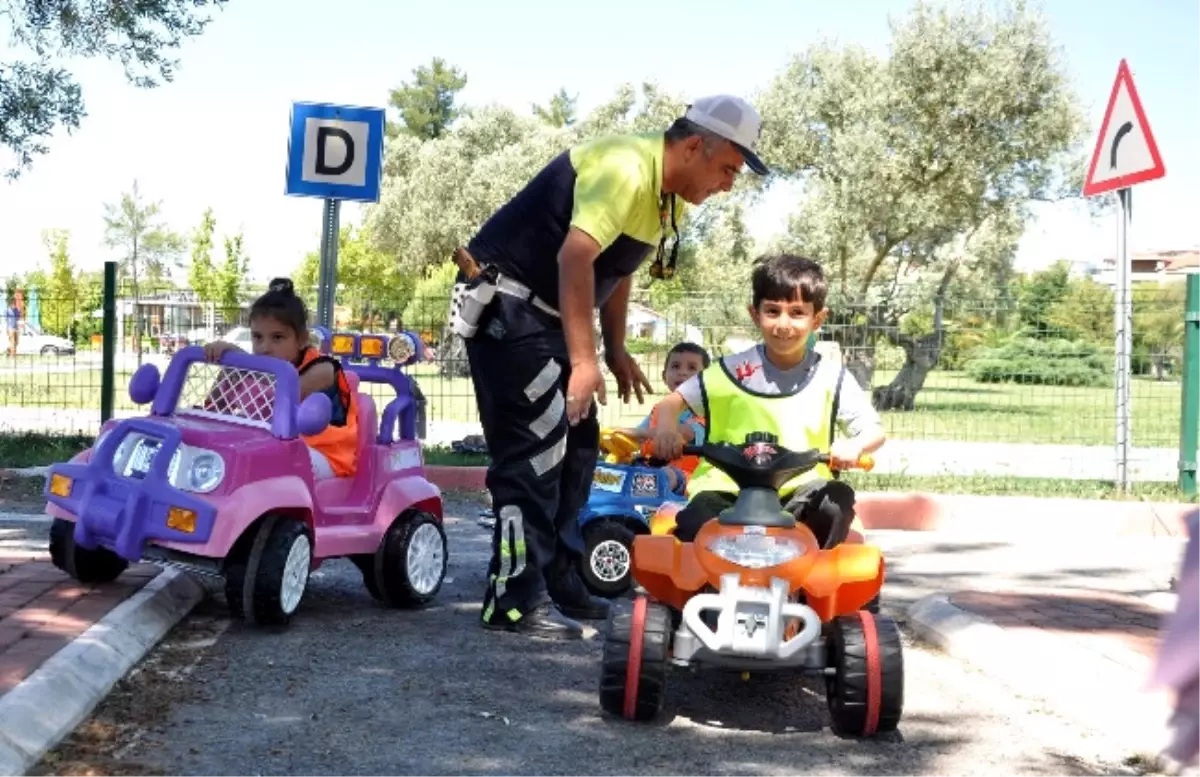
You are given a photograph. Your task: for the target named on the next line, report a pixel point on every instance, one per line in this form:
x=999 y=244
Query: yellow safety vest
x=801 y=421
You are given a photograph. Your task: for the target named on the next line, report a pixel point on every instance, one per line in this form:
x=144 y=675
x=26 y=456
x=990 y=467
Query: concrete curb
x=25 y=517
x=52 y=701
x=1077 y=684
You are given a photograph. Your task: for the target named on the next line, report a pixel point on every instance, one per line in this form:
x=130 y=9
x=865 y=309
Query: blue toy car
x=627 y=489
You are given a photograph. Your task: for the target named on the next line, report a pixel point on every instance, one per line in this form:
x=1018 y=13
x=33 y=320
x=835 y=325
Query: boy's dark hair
x=281 y=303
x=781 y=276
x=686 y=347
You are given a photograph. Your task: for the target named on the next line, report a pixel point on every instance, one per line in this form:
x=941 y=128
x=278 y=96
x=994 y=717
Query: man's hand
x=585 y=381
x=628 y=374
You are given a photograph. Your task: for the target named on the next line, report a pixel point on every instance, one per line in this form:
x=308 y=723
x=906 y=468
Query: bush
x=1044 y=362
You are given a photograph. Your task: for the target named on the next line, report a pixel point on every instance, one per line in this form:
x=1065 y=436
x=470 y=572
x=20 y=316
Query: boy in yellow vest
x=782 y=387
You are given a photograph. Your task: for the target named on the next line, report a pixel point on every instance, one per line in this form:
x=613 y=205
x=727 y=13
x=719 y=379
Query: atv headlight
x=755 y=551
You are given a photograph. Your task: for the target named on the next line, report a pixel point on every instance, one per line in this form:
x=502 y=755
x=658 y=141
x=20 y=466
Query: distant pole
x=108 y=343
x=328 y=272
x=1124 y=340
x=1189 y=421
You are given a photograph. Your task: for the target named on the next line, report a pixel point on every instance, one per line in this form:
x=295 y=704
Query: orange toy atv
x=755 y=592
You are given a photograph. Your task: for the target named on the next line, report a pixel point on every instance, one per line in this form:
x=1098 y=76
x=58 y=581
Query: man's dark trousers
x=541 y=468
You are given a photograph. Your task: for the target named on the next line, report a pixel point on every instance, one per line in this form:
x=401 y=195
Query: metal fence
x=997 y=390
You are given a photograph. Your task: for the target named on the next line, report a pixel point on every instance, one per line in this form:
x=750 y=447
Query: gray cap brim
x=752 y=160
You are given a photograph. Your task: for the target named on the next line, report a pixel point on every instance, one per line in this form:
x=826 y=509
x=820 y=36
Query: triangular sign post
x=1125 y=153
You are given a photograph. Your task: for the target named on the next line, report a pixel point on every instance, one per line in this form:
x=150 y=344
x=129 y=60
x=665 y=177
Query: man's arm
x=613 y=316
x=577 y=294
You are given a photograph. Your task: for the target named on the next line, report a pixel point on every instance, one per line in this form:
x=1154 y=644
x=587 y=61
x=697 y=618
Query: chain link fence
x=968 y=390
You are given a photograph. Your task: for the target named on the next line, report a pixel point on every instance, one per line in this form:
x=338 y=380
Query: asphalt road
x=352 y=688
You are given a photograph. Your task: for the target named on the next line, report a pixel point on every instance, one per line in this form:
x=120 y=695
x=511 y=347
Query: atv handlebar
x=866 y=462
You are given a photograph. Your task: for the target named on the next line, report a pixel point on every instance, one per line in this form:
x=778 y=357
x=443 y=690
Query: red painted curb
x=991 y=515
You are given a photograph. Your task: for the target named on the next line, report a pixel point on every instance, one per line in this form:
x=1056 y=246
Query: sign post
x=1125 y=155
x=335 y=152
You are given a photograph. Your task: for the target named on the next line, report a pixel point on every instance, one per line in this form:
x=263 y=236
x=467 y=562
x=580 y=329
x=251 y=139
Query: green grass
x=950 y=407
x=32 y=449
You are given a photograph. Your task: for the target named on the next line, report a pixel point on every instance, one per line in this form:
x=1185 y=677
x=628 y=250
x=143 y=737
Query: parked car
x=33 y=341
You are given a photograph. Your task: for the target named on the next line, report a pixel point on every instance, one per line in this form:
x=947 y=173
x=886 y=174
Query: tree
x=231 y=278
x=36 y=94
x=370 y=282
x=202 y=273
x=907 y=161
x=426 y=105
x=59 y=299
x=1158 y=319
x=561 y=110
x=134 y=228
x=436 y=193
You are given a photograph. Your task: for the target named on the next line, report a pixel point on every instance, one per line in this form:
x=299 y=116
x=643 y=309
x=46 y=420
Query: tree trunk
x=921 y=354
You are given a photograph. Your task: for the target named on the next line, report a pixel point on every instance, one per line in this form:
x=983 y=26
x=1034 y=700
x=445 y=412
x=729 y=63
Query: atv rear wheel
x=633 y=670
x=865 y=693
x=607 y=562
x=87 y=565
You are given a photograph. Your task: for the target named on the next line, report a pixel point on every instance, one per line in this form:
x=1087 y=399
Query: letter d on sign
x=323 y=136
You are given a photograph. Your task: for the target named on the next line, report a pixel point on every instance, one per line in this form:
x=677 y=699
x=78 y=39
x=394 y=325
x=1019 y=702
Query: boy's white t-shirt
x=756 y=373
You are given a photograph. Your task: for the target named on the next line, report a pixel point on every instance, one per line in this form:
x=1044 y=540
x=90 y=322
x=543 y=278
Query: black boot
x=571 y=596
x=542 y=621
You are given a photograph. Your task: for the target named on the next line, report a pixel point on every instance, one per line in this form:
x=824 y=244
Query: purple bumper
x=121 y=512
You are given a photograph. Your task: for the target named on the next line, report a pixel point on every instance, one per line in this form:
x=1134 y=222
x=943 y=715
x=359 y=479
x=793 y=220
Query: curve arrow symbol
x=1124 y=130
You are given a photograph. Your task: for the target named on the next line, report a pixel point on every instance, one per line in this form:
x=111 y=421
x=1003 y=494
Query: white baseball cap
x=733 y=119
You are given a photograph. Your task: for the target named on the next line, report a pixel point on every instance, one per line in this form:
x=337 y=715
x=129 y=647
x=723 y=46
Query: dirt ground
x=20 y=494
x=354 y=688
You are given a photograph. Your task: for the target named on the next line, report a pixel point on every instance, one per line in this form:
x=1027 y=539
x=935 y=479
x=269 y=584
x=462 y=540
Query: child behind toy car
x=684 y=361
x=783 y=387
x=279 y=328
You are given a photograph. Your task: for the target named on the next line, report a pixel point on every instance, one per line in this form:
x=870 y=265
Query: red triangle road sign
x=1126 y=153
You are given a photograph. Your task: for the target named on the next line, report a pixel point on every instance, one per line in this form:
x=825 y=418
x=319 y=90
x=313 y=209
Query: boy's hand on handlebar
x=845 y=454
x=668 y=442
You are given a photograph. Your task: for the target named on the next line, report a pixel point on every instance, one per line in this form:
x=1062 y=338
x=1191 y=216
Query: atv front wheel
x=87 y=565
x=267 y=573
x=865 y=692
x=633 y=670
x=607 y=562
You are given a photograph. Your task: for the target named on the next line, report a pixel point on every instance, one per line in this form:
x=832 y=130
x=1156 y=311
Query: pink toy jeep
x=217 y=479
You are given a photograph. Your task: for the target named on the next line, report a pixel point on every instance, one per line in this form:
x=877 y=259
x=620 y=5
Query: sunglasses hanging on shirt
x=659 y=270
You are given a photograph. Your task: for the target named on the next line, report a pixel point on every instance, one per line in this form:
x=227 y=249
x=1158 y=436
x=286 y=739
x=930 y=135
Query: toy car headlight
x=196 y=470
x=206 y=472
x=755 y=551
x=402 y=348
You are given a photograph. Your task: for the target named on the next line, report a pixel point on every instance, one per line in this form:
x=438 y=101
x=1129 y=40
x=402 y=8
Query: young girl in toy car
x=782 y=387
x=279 y=328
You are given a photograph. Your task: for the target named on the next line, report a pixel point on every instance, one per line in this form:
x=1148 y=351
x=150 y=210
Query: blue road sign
x=335 y=152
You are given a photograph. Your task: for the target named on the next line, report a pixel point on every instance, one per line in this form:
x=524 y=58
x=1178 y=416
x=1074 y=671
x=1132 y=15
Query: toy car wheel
x=87 y=565
x=873 y=605
x=268 y=572
x=410 y=564
x=633 y=670
x=865 y=692
x=607 y=563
